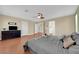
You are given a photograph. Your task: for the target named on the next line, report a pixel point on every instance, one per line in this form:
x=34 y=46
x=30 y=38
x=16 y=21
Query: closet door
x=24 y=28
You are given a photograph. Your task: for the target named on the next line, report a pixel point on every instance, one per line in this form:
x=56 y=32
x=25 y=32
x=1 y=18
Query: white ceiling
x=49 y=11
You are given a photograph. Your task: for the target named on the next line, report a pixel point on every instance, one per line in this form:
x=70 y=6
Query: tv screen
x=12 y=27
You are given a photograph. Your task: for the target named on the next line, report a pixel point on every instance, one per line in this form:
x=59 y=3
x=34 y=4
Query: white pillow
x=68 y=42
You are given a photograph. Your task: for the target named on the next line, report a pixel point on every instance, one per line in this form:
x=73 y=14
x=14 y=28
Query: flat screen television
x=12 y=27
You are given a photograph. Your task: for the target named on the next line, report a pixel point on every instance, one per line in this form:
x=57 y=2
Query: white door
x=24 y=28
x=38 y=28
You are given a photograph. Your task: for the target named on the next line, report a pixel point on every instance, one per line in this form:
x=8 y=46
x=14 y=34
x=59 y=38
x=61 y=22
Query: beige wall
x=65 y=25
x=5 y=19
x=31 y=28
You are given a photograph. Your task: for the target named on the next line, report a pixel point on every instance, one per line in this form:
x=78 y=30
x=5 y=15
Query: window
x=52 y=27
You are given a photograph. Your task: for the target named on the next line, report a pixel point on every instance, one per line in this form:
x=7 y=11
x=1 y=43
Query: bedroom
x=34 y=22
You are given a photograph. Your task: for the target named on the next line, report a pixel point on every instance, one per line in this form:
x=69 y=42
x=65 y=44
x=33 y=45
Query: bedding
x=50 y=45
x=74 y=50
x=75 y=37
x=68 y=42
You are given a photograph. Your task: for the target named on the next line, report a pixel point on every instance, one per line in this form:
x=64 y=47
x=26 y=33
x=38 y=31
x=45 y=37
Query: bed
x=50 y=45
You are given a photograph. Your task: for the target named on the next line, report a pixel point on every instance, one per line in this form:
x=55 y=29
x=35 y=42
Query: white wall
x=77 y=20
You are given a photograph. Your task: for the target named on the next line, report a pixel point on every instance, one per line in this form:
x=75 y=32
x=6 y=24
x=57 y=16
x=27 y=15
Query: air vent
x=26 y=10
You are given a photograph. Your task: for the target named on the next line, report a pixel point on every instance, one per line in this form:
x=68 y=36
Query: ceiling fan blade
x=39 y=16
x=42 y=17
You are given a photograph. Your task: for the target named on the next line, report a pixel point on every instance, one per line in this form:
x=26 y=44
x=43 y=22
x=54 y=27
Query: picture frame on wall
x=12 y=23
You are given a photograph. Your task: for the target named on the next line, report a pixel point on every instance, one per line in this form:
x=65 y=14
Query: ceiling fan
x=39 y=16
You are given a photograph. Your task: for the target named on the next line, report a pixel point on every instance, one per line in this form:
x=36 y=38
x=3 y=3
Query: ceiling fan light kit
x=39 y=16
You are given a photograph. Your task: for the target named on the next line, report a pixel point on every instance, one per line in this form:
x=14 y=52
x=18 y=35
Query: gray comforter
x=47 y=45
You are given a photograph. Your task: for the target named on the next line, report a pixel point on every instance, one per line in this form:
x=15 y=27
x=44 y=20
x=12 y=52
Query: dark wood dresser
x=10 y=34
